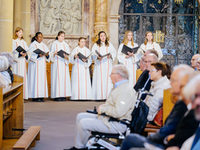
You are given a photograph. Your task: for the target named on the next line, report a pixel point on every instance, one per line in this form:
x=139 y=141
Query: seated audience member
x=120 y=104
x=178 y=111
x=194 y=61
x=159 y=73
x=192 y=91
x=144 y=81
x=198 y=64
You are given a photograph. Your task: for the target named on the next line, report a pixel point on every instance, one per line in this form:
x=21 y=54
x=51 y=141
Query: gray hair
x=154 y=56
x=121 y=70
x=191 y=88
x=184 y=70
x=4 y=64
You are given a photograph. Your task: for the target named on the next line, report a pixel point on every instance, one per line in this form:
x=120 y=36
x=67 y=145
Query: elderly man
x=178 y=111
x=192 y=92
x=144 y=81
x=194 y=60
x=119 y=104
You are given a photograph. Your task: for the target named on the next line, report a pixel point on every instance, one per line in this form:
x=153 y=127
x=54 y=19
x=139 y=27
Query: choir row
x=102 y=54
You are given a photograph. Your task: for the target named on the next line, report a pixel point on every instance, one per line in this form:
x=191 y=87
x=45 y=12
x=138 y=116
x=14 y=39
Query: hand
x=66 y=57
x=84 y=60
x=47 y=54
x=130 y=54
x=23 y=54
x=109 y=56
x=127 y=56
x=173 y=148
x=55 y=53
x=76 y=56
x=99 y=58
x=41 y=55
x=169 y=137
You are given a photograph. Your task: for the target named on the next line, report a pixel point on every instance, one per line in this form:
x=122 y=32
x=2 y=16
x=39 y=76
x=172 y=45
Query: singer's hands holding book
x=23 y=54
x=66 y=56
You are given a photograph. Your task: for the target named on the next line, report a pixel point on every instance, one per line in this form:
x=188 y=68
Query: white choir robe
x=37 y=77
x=150 y=46
x=81 y=81
x=130 y=63
x=101 y=82
x=60 y=78
x=20 y=68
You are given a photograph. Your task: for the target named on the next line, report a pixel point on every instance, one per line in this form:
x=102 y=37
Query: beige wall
x=13 y=13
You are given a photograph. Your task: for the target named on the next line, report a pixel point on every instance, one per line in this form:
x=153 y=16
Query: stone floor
x=57 y=121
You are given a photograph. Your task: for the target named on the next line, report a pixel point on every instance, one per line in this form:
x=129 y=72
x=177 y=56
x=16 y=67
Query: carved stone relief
x=56 y=15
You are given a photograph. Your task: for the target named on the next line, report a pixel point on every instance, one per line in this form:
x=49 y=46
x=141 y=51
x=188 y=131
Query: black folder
x=20 y=49
x=102 y=55
x=127 y=49
x=39 y=51
x=81 y=56
x=61 y=53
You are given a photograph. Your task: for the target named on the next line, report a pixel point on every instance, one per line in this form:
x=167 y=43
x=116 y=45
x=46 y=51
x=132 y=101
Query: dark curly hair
x=99 y=40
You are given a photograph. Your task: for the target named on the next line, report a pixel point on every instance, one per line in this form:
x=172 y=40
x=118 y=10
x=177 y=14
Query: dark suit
x=141 y=82
x=135 y=140
x=185 y=129
x=171 y=123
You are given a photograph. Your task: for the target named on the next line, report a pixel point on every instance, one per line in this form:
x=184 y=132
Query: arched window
x=175 y=24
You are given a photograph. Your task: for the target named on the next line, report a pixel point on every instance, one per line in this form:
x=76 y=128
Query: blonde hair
x=15 y=33
x=125 y=40
x=145 y=41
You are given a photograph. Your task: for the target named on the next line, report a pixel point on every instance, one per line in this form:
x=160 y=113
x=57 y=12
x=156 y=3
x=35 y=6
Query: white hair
x=121 y=70
x=154 y=56
x=184 y=70
x=192 y=87
x=4 y=64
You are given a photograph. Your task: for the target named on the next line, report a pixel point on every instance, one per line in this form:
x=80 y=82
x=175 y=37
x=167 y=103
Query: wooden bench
x=28 y=139
x=167 y=107
x=12 y=110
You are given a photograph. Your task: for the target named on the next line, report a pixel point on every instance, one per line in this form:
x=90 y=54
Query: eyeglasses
x=153 y=70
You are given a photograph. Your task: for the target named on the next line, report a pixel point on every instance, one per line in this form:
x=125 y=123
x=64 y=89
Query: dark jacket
x=171 y=123
x=141 y=82
x=185 y=129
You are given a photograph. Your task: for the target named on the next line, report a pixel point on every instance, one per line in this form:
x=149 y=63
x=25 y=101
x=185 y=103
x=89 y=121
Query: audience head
x=192 y=91
x=194 y=60
x=177 y=76
x=102 y=38
x=128 y=37
x=148 y=37
x=38 y=37
x=119 y=72
x=4 y=63
x=82 y=41
x=153 y=51
x=18 y=33
x=149 y=59
x=159 y=70
x=61 y=36
x=198 y=64
x=142 y=64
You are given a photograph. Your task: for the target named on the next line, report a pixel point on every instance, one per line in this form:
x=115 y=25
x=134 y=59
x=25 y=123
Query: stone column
x=6 y=25
x=17 y=16
x=26 y=21
x=101 y=16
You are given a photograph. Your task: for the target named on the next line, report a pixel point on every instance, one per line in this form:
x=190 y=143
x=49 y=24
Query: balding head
x=177 y=78
x=149 y=59
x=194 y=60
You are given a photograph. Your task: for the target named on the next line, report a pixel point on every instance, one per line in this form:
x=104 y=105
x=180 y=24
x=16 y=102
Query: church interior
x=45 y=90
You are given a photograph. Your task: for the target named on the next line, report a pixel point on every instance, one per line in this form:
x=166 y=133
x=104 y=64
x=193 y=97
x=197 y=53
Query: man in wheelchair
x=119 y=105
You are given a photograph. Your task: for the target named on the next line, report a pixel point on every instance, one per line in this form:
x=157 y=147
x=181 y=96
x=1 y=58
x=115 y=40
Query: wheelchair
x=101 y=141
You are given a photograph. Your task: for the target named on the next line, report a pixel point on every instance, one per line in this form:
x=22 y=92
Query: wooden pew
x=167 y=107
x=11 y=112
x=28 y=139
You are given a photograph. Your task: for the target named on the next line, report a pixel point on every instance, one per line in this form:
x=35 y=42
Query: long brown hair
x=99 y=40
x=145 y=41
x=125 y=40
x=15 y=33
x=165 y=68
x=59 y=33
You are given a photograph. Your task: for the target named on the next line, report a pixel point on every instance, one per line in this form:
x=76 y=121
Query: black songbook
x=20 y=49
x=81 y=56
x=39 y=51
x=61 y=53
x=127 y=49
x=102 y=56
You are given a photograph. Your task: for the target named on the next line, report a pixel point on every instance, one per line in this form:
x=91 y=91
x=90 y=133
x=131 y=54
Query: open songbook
x=61 y=53
x=39 y=51
x=127 y=49
x=20 y=49
x=102 y=56
x=83 y=57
